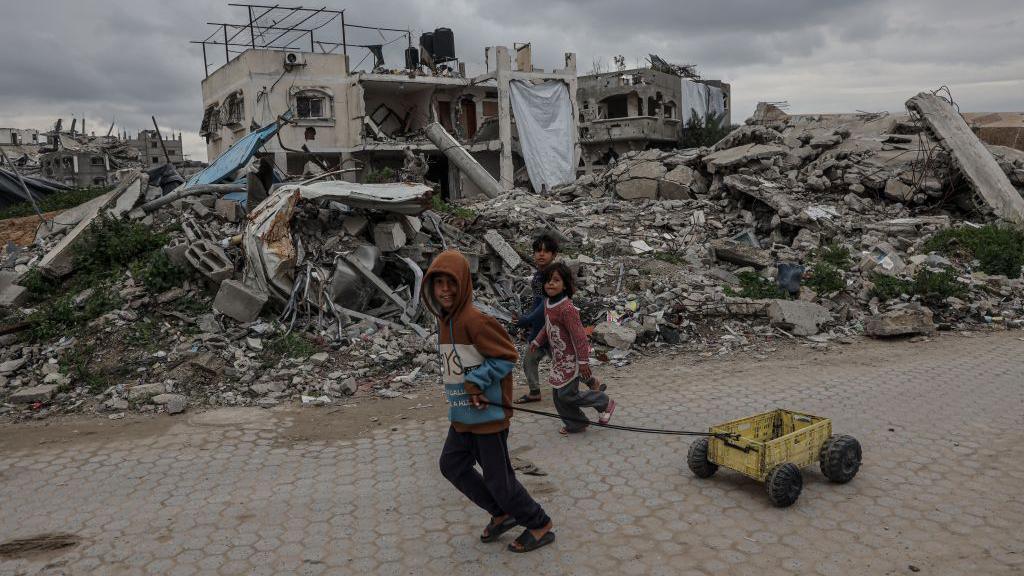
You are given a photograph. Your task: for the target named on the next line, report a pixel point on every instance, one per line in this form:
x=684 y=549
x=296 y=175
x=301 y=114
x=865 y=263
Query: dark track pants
x=496 y=490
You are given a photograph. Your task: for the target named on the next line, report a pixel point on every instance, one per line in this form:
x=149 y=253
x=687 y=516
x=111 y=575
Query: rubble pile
x=806 y=229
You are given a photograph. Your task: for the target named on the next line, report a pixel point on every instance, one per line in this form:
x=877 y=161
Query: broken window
x=234 y=109
x=211 y=121
x=99 y=181
x=67 y=162
x=96 y=160
x=313 y=105
x=490 y=108
x=152 y=144
x=670 y=109
x=310 y=133
x=155 y=160
x=616 y=106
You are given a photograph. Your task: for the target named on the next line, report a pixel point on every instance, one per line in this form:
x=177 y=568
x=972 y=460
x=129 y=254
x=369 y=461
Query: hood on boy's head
x=454 y=264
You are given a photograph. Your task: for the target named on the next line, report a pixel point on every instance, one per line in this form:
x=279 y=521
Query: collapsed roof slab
x=970 y=156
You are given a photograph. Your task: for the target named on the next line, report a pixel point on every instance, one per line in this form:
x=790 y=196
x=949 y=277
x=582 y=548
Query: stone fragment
x=884 y=259
x=503 y=249
x=319 y=358
x=611 y=334
x=798 y=317
x=10 y=293
x=740 y=155
x=174 y=403
x=229 y=210
x=355 y=225
x=40 y=393
x=238 y=301
x=637 y=189
x=897 y=191
x=740 y=253
x=901 y=322
x=143 y=392
x=389 y=236
x=12 y=366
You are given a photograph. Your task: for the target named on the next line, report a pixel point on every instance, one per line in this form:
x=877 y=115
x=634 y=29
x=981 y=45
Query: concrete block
x=238 y=301
x=503 y=249
x=799 y=317
x=229 y=210
x=10 y=293
x=174 y=403
x=41 y=393
x=389 y=236
x=355 y=225
x=902 y=322
x=145 y=392
x=200 y=209
x=176 y=254
x=739 y=253
x=210 y=260
x=613 y=335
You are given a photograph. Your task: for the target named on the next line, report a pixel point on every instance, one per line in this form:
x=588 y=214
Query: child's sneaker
x=606 y=416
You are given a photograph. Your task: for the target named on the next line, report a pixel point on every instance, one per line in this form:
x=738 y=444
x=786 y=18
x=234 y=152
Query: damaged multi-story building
x=367 y=120
x=644 y=108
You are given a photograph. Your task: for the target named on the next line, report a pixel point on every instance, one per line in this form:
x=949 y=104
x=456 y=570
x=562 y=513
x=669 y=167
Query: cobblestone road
x=225 y=492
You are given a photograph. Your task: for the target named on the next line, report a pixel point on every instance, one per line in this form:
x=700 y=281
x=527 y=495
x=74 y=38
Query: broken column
x=462 y=159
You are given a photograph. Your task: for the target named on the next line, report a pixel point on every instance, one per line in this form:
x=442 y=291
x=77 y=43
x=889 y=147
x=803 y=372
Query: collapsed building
x=368 y=120
x=638 y=109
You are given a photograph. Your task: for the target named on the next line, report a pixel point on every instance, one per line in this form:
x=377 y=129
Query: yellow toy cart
x=772 y=447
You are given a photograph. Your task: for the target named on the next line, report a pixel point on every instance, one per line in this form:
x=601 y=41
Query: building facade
x=151 y=154
x=636 y=109
x=80 y=168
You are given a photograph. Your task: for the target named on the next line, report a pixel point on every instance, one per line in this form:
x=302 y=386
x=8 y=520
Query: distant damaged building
x=370 y=120
x=643 y=108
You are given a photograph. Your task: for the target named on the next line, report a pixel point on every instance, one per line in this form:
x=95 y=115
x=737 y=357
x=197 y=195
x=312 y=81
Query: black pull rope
x=724 y=435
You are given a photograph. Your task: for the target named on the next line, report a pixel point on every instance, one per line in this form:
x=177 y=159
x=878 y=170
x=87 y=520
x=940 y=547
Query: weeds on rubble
x=930 y=286
x=439 y=205
x=78 y=363
x=380 y=176
x=290 y=345
x=191 y=306
x=56 y=201
x=670 y=257
x=998 y=250
x=835 y=255
x=61 y=316
x=754 y=286
x=39 y=286
x=110 y=244
x=156 y=272
x=704 y=132
x=825 y=278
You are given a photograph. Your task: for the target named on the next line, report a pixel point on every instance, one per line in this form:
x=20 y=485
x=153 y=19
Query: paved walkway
x=227 y=492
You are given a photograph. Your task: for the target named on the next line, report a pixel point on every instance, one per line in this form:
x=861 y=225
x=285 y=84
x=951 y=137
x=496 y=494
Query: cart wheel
x=840 y=458
x=784 y=484
x=697 y=459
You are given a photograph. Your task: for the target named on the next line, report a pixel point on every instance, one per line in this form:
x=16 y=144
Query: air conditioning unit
x=292 y=59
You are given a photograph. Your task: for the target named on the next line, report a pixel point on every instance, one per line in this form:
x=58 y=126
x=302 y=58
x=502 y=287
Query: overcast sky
x=122 y=61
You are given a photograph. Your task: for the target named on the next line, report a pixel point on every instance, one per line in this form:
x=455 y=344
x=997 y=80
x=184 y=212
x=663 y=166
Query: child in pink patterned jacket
x=570 y=353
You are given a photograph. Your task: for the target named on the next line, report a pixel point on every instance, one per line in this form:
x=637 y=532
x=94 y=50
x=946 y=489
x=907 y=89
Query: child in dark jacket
x=477 y=358
x=545 y=250
x=570 y=353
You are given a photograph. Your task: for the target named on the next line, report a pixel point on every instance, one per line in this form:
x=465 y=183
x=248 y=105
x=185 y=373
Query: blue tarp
x=236 y=157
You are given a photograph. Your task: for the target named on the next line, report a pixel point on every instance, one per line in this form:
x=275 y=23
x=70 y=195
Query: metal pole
x=206 y=65
x=24 y=188
x=161 y=139
x=227 y=54
x=252 y=35
x=344 y=44
x=312 y=48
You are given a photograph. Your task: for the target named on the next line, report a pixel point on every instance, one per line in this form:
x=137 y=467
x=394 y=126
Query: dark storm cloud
x=128 y=60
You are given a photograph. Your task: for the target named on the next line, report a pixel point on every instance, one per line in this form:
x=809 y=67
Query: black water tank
x=427 y=43
x=444 y=44
x=412 y=58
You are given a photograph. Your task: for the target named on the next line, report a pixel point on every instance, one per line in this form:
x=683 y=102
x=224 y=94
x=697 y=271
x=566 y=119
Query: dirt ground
x=22 y=231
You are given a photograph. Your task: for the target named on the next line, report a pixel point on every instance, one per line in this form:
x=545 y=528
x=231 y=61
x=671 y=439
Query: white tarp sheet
x=547 y=131
x=701 y=99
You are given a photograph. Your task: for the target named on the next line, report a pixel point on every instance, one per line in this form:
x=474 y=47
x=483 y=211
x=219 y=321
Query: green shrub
x=290 y=345
x=39 y=286
x=439 y=205
x=56 y=201
x=998 y=250
x=157 y=272
x=754 y=286
x=825 y=278
x=836 y=255
x=110 y=244
x=931 y=287
x=706 y=132
x=60 y=316
x=380 y=176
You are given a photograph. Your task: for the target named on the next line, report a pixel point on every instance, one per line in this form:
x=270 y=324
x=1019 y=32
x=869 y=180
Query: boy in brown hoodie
x=477 y=358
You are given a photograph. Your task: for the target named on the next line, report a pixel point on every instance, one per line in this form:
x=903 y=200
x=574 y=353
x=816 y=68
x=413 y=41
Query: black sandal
x=494 y=531
x=526 y=399
x=527 y=543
